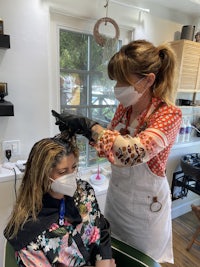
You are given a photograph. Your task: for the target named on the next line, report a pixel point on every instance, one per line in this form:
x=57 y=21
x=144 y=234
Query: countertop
x=9 y=175
x=84 y=174
x=194 y=141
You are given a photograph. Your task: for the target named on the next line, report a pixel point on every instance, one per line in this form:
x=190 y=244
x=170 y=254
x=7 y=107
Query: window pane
x=82 y=144
x=73 y=50
x=84 y=85
x=73 y=89
x=102 y=91
x=96 y=55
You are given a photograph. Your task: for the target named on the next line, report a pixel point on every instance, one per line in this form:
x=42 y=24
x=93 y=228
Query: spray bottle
x=188 y=130
x=181 y=137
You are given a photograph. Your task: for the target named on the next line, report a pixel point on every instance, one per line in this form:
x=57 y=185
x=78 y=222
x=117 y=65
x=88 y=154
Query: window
x=84 y=85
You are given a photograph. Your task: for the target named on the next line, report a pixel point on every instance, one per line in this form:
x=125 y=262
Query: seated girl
x=56 y=220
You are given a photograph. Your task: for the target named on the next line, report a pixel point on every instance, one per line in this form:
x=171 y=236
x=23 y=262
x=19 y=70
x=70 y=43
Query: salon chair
x=127 y=256
x=124 y=255
x=9 y=256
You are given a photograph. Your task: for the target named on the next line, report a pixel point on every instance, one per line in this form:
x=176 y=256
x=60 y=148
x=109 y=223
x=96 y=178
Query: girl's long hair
x=44 y=155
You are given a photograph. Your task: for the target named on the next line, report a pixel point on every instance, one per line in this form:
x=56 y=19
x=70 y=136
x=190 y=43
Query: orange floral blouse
x=154 y=133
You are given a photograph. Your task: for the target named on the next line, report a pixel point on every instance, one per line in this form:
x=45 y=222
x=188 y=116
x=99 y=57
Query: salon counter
x=10 y=177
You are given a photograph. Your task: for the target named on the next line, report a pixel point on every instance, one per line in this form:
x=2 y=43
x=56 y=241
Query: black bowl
x=190 y=165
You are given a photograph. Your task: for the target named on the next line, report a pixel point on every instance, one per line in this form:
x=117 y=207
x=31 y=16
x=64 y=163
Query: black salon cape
x=50 y=214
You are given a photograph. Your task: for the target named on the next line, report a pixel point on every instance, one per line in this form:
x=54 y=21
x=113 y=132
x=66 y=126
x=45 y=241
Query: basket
x=190 y=165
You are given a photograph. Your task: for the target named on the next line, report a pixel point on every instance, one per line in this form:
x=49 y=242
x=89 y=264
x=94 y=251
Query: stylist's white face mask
x=127 y=95
x=65 y=184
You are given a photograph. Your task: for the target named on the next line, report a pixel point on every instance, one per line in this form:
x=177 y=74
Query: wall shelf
x=4 y=41
x=6 y=109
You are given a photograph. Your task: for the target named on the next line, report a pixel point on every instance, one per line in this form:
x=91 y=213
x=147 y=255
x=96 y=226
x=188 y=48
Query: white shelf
x=194 y=141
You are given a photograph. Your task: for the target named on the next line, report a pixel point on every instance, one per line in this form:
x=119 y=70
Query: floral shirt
x=154 y=134
x=58 y=243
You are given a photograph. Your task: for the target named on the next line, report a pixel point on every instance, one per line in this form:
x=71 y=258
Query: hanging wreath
x=101 y=39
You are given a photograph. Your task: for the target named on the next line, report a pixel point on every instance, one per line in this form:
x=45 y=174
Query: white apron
x=130 y=194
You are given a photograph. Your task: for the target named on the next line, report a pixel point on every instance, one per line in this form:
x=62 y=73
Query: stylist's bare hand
x=102 y=263
x=106 y=263
x=112 y=263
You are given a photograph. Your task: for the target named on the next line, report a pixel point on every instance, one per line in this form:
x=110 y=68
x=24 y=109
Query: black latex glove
x=74 y=124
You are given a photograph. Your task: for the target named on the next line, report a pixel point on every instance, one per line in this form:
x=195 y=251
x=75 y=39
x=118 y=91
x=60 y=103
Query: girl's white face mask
x=127 y=95
x=65 y=184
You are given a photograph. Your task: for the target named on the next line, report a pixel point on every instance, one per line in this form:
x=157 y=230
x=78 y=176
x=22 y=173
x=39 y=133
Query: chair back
x=128 y=256
x=195 y=239
x=196 y=210
x=9 y=256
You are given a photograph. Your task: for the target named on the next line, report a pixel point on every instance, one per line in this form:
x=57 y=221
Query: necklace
x=142 y=126
x=124 y=131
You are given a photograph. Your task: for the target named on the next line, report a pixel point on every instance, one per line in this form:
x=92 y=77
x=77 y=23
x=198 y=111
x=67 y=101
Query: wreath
x=101 y=39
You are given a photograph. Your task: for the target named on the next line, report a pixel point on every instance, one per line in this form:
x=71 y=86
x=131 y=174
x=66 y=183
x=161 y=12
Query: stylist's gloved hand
x=74 y=124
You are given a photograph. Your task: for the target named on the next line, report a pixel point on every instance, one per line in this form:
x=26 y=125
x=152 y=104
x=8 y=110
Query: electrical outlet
x=13 y=145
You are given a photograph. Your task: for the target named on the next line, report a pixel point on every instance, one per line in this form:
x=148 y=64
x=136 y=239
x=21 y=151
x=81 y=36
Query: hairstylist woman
x=137 y=143
x=56 y=220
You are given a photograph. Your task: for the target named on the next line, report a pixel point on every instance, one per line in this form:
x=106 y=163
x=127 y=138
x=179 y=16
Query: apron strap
x=79 y=242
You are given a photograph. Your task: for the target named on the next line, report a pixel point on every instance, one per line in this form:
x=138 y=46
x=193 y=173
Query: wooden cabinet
x=188 y=64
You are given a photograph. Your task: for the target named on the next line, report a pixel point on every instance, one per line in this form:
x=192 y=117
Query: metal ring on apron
x=155 y=205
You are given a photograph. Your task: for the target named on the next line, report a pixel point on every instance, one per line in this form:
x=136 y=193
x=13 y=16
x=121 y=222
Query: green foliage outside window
x=84 y=85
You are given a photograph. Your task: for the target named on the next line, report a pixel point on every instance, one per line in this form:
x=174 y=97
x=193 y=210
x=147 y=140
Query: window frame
x=93 y=83
x=58 y=21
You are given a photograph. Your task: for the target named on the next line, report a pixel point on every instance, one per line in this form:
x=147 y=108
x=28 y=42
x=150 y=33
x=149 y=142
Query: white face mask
x=65 y=184
x=127 y=95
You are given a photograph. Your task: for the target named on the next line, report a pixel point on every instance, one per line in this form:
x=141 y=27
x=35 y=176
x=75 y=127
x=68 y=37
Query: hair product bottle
x=188 y=130
x=181 y=137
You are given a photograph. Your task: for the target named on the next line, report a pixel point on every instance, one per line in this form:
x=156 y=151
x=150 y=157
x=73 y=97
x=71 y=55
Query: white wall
x=25 y=68
x=29 y=66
